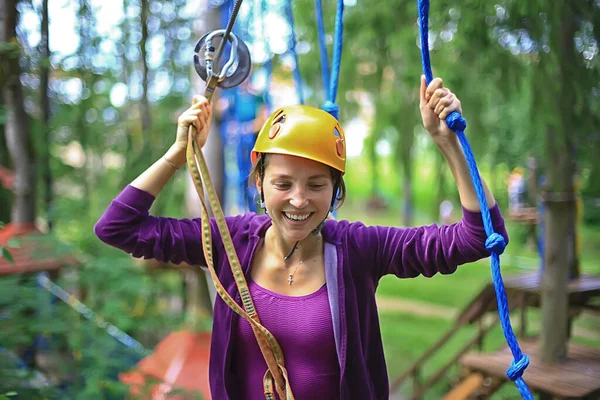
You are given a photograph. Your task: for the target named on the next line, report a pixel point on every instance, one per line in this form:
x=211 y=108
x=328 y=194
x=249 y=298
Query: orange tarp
x=178 y=363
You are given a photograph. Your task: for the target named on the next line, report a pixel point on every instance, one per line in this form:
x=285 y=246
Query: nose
x=299 y=199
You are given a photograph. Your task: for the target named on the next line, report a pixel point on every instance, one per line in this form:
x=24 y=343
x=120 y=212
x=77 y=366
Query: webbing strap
x=276 y=376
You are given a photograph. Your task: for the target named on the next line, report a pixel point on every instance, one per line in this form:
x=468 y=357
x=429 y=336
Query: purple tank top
x=303 y=328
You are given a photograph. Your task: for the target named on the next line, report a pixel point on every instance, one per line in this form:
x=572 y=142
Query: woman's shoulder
x=335 y=231
x=247 y=224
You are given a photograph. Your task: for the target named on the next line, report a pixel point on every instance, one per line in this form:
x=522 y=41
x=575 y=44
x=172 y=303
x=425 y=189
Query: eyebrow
x=285 y=176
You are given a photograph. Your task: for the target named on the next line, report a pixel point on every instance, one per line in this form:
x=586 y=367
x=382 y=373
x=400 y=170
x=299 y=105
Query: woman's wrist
x=175 y=156
x=448 y=145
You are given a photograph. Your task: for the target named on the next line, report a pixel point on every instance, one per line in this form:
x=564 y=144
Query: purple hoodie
x=356 y=257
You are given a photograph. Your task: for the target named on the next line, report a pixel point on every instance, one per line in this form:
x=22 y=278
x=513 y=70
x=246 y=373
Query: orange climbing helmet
x=303 y=131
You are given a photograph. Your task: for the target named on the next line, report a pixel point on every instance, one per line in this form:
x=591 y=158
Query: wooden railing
x=474 y=312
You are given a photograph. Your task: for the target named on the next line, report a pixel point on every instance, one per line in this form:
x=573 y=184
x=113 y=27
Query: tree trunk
x=145 y=104
x=45 y=109
x=560 y=209
x=554 y=307
x=17 y=125
x=5 y=194
x=213 y=154
x=371 y=144
x=83 y=130
x=407 y=164
x=440 y=183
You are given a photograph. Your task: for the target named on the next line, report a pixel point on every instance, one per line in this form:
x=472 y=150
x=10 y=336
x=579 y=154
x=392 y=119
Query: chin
x=299 y=235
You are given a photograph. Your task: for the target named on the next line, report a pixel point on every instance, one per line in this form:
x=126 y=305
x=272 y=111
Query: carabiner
x=236 y=69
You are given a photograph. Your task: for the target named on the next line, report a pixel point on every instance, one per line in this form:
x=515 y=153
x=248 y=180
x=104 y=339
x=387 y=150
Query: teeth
x=297 y=217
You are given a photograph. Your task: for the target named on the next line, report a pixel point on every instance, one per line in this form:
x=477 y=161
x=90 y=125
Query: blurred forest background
x=92 y=90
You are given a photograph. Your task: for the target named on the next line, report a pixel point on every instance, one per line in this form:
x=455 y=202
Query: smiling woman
x=311 y=279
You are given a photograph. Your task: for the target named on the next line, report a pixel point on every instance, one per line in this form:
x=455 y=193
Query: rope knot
x=516 y=369
x=456 y=122
x=495 y=243
x=331 y=108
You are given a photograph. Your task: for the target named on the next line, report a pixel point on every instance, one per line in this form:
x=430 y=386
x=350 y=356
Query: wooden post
x=559 y=198
x=416 y=375
x=18 y=136
x=523 y=326
x=480 y=333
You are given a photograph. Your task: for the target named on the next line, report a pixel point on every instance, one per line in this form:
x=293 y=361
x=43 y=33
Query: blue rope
x=331 y=78
x=495 y=243
x=296 y=72
x=269 y=63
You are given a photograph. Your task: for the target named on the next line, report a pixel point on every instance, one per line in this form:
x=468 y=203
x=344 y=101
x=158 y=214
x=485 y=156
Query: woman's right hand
x=198 y=115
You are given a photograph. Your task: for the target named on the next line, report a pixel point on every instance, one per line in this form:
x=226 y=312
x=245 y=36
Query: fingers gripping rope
x=494 y=243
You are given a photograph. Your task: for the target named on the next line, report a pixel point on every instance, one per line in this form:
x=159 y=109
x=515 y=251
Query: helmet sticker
x=274 y=130
x=339 y=147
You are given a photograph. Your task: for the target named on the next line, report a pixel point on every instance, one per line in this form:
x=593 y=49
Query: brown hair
x=259 y=167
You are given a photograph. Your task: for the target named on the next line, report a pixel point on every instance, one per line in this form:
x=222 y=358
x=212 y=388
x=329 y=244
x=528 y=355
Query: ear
x=258 y=182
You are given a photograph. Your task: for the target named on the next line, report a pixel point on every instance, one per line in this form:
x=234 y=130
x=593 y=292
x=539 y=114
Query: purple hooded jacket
x=356 y=257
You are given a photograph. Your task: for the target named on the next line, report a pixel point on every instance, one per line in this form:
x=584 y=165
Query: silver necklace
x=291 y=277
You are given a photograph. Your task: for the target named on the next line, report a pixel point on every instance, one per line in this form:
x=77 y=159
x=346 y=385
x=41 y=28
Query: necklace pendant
x=291 y=279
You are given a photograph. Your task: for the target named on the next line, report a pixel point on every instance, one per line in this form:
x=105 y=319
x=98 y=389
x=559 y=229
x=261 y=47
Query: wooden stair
x=522 y=291
x=466 y=387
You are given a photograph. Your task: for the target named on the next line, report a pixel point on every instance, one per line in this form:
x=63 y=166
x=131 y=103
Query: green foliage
x=9 y=51
x=501 y=58
x=5 y=254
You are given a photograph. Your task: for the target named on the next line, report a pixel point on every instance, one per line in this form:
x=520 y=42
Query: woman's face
x=298 y=194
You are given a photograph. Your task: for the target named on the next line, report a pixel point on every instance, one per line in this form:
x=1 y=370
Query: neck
x=281 y=247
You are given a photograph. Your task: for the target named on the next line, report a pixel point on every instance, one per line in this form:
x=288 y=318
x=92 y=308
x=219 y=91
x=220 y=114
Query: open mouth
x=297 y=218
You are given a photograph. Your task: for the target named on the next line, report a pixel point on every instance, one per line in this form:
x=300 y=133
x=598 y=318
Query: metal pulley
x=233 y=72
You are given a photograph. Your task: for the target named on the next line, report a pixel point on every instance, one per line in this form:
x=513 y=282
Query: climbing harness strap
x=495 y=243
x=276 y=378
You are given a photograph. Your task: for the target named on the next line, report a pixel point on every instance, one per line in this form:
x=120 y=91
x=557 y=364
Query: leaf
x=4 y=253
x=14 y=243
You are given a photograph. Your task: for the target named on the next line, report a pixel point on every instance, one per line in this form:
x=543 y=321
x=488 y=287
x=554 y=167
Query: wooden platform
x=527 y=286
x=577 y=378
x=526 y=215
x=34 y=253
x=524 y=290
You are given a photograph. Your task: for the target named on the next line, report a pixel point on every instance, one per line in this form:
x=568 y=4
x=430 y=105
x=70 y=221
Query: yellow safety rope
x=269 y=347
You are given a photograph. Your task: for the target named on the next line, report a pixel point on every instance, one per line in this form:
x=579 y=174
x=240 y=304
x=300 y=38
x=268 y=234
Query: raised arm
x=127 y=225
x=423 y=250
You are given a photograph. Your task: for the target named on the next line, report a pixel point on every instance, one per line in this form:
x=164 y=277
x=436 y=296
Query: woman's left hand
x=437 y=102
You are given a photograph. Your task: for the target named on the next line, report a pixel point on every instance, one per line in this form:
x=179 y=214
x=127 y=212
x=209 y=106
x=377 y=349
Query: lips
x=297 y=218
